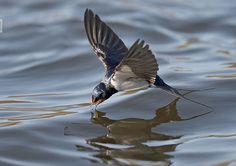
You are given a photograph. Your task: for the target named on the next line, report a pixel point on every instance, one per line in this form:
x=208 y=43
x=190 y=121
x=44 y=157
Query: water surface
x=48 y=70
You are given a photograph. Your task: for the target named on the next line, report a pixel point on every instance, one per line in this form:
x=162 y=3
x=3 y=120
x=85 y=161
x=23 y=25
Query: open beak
x=96 y=102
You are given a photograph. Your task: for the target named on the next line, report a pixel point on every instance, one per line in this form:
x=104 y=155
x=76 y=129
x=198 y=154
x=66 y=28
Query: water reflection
x=14 y=102
x=231 y=65
x=20 y=114
x=223 y=76
x=225 y=52
x=124 y=139
x=188 y=43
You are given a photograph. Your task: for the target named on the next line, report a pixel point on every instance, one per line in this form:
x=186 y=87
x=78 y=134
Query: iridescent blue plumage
x=101 y=93
x=125 y=68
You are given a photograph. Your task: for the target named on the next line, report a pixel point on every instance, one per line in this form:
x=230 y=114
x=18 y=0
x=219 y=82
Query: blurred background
x=48 y=70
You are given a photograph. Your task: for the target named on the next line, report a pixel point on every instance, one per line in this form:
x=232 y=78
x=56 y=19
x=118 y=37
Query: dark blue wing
x=106 y=44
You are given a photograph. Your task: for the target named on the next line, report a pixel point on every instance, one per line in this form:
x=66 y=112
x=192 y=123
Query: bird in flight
x=125 y=69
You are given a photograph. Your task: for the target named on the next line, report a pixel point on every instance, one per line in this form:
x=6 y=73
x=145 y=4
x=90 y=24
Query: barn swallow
x=125 y=69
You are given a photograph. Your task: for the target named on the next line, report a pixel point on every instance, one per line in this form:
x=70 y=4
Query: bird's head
x=101 y=93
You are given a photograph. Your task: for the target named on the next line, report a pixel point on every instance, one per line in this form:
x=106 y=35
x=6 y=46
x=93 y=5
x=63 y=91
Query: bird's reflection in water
x=134 y=132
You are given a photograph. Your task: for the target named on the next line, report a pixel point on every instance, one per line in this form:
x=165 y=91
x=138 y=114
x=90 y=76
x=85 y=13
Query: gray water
x=48 y=70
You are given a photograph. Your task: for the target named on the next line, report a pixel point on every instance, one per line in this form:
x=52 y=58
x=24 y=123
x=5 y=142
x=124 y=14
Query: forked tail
x=159 y=83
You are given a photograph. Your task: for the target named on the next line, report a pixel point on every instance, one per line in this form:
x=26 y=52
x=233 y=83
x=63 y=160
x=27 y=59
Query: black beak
x=96 y=101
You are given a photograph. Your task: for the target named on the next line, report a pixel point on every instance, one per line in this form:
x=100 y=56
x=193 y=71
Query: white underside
x=125 y=79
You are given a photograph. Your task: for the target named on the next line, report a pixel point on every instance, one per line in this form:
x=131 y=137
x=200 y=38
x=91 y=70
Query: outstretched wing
x=137 y=69
x=141 y=61
x=106 y=44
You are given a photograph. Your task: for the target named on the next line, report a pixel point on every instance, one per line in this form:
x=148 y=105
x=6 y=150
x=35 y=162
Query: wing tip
x=141 y=43
x=88 y=14
x=91 y=22
x=87 y=10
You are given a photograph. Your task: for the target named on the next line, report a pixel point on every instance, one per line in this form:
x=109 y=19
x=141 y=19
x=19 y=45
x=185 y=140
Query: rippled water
x=47 y=73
